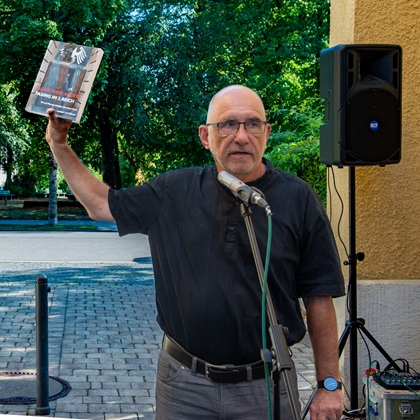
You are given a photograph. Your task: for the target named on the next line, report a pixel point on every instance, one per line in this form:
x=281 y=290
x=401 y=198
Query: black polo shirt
x=208 y=293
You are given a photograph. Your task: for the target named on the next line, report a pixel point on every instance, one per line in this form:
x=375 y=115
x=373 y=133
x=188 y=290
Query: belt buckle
x=216 y=369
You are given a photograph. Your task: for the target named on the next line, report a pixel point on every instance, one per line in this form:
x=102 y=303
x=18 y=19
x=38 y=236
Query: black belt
x=216 y=373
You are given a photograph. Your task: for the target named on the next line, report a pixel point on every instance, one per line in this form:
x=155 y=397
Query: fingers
x=51 y=113
x=52 y=117
x=57 y=128
x=327 y=405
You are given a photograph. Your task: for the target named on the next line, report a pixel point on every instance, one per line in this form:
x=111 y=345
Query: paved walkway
x=103 y=337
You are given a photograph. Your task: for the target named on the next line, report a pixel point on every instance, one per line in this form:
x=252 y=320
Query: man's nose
x=242 y=134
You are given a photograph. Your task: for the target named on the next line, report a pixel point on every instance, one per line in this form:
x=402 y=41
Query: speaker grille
x=372 y=127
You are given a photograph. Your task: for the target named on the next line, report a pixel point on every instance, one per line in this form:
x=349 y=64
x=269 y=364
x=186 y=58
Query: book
x=64 y=80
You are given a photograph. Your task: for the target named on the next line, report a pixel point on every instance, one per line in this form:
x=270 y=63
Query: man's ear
x=268 y=131
x=203 y=132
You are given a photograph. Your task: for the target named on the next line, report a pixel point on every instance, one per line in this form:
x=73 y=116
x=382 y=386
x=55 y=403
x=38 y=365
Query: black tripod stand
x=353 y=324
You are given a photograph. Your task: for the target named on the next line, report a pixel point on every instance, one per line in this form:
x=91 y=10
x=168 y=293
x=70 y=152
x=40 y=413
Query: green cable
x=264 y=314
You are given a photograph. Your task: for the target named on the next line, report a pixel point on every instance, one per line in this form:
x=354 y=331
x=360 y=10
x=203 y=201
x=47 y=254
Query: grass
x=14 y=211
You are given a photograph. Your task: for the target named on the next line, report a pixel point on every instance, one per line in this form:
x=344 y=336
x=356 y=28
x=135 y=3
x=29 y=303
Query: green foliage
x=297 y=151
x=13 y=130
x=163 y=62
x=23 y=185
x=301 y=158
x=14 y=135
x=128 y=174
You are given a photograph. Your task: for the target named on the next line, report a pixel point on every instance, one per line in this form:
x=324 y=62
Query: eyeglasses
x=231 y=127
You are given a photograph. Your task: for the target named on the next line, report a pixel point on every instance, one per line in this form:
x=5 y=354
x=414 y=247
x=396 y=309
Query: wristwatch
x=330 y=384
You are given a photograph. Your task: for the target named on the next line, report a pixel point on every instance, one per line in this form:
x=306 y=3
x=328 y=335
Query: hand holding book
x=57 y=129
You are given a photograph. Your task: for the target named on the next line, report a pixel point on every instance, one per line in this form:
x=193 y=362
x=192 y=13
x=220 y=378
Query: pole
x=42 y=380
x=282 y=357
x=353 y=289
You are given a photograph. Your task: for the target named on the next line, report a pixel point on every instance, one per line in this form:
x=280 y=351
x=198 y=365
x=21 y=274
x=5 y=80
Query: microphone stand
x=282 y=362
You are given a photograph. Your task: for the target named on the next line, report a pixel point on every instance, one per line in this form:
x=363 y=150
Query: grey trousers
x=185 y=395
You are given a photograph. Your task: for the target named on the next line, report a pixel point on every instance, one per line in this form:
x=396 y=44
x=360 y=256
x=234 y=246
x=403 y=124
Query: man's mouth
x=239 y=153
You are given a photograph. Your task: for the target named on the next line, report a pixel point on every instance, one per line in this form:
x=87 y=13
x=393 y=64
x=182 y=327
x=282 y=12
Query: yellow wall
x=387 y=198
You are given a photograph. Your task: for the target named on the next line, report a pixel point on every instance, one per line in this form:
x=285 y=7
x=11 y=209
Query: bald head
x=237 y=152
x=233 y=93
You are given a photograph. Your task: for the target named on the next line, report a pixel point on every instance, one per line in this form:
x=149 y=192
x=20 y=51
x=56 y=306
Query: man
x=207 y=290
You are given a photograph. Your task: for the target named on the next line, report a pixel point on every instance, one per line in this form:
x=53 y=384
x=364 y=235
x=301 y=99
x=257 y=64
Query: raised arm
x=92 y=193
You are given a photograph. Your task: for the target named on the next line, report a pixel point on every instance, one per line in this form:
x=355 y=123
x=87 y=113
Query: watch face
x=330 y=384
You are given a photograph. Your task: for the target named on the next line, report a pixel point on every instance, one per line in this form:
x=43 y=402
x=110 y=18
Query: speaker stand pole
x=352 y=262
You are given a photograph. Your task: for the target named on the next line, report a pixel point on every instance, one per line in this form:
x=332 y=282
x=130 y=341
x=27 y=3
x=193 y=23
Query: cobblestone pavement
x=103 y=337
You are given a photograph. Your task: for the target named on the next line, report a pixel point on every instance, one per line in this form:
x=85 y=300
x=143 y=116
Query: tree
x=163 y=61
x=14 y=137
x=25 y=30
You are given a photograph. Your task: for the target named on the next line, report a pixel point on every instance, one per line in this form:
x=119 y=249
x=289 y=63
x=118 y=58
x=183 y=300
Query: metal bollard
x=42 y=379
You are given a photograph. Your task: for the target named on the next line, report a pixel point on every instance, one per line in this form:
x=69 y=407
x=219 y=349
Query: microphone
x=243 y=191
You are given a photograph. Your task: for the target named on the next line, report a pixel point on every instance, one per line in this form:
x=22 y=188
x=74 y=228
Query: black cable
x=405 y=364
x=413 y=370
x=330 y=168
x=355 y=414
x=339 y=230
x=367 y=347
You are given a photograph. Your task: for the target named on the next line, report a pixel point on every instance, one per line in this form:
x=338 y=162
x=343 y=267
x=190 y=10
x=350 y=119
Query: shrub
x=23 y=186
x=301 y=158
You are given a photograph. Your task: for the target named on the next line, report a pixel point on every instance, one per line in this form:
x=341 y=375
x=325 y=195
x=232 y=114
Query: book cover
x=64 y=80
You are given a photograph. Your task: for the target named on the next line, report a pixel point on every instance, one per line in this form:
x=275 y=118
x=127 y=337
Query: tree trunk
x=8 y=167
x=110 y=155
x=52 y=203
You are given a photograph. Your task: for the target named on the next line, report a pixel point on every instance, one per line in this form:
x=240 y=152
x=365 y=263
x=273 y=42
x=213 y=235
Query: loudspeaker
x=361 y=88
